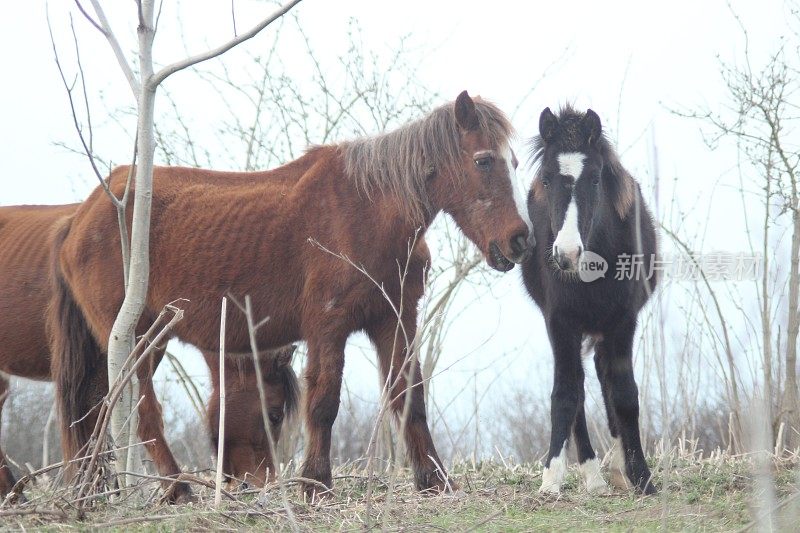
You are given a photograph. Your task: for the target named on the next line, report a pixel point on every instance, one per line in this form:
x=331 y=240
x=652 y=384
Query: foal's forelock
x=400 y=162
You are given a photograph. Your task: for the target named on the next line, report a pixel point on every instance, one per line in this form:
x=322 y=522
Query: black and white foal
x=587 y=210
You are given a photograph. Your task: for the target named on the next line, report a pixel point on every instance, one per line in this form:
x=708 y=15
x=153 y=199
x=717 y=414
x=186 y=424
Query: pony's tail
x=77 y=361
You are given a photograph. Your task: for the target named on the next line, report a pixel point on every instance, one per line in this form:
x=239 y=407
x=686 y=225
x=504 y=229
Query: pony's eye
x=546 y=183
x=276 y=418
x=596 y=181
x=484 y=162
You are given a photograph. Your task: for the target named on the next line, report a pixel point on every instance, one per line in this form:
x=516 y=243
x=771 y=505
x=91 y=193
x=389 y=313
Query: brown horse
x=369 y=200
x=26 y=233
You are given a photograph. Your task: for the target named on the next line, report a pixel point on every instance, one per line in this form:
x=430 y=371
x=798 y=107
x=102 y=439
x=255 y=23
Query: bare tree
x=760 y=116
x=144 y=86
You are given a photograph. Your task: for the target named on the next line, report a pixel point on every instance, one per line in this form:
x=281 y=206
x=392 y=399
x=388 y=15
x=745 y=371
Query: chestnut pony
x=26 y=233
x=261 y=234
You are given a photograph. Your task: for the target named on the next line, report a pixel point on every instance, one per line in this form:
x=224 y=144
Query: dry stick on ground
x=252 y=328
x=221 y=427
x=19 y=486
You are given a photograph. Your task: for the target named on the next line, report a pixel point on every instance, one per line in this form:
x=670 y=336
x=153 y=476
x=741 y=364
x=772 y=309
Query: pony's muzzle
x=519 y=246
x=567 y=260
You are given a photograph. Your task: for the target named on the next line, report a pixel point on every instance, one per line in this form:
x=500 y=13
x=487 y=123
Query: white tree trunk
x=121 y=341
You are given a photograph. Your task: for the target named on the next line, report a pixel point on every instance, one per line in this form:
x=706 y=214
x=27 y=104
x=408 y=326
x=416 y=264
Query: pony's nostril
x=580 y=251
x=519 y=244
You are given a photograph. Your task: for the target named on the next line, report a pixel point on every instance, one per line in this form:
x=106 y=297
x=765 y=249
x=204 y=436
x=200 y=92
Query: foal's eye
x=276 y=418
x=546 y=183
x=596 y=181
x=484 y=162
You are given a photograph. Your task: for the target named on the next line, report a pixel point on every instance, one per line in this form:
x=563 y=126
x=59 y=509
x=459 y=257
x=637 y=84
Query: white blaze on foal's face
x=568 y=241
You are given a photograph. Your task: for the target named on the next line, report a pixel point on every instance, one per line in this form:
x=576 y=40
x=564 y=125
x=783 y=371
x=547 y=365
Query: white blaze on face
x=568 y=241
x=554 y=475
x=516 y=187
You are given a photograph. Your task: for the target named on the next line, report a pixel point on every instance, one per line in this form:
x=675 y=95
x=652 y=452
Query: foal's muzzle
x=567 y=260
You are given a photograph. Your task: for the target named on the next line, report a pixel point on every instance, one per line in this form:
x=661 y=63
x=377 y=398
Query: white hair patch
x=571 y=164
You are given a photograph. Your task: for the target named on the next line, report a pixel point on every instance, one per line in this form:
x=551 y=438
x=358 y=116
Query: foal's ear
x=283 y=356
x=466 y=117
x=548 y=125
x=591 y=127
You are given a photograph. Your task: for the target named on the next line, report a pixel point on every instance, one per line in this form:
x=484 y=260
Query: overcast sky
x=631 y=61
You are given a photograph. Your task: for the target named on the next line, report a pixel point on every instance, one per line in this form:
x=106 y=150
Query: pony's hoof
x=432 y=484
x=179 y=494
x=315 y=493
x=15 y=498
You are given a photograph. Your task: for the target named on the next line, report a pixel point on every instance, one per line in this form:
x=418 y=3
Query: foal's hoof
x=619 y=480
x=647 y=488
x=550 y=488
x=597 y=486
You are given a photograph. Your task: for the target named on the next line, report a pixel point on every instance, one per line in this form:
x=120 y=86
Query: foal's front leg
x=323 y=375
x=403 y=379
x=564 y=401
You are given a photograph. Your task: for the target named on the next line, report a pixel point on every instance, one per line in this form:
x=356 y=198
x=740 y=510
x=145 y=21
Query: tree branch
x=167 y=71
x=105 y=29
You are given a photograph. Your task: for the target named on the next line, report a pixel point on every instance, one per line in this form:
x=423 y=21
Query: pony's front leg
x=323 y=375
x=564 y=401
x=407 y=403
x=624 y=396
x=151 y=428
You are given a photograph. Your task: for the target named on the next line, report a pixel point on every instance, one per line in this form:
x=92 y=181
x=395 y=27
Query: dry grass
x=710 y=494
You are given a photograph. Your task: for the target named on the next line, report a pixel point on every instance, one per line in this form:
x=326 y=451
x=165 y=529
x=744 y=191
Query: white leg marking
x=553 y=477
x=571 y=164
x=590 y=472
x=568 y=241
x=519 y=194
x=619 y=478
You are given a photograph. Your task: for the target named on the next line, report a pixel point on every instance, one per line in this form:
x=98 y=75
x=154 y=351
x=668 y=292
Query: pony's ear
x=466 y=117
x=591 y=127
x=548 y=125
x=283 y=356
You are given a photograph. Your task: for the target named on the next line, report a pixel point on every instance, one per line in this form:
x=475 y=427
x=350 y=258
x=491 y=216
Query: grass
x=697 y=495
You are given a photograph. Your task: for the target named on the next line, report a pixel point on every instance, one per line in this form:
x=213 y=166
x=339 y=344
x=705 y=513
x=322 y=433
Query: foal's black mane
x=572 y=140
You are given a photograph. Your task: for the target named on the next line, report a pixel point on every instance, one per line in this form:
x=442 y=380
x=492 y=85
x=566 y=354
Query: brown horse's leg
x=323 y=377
x=7 y=480
x=151 y=427
x=396 y=373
